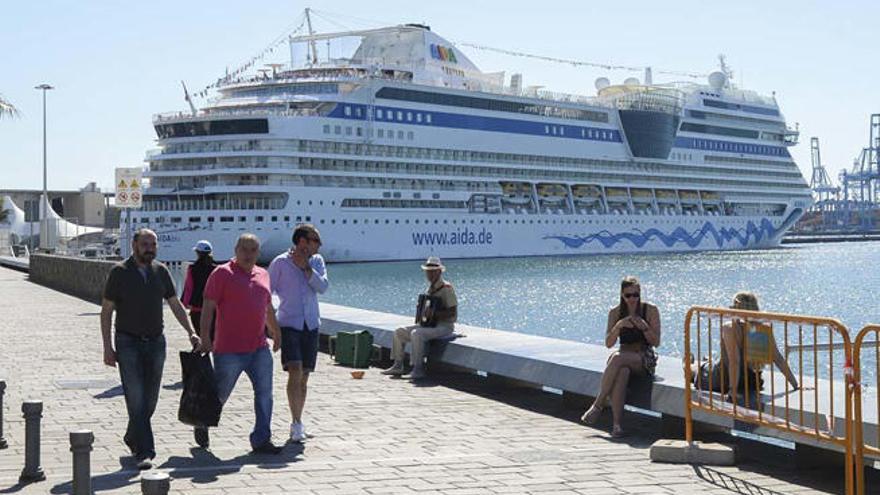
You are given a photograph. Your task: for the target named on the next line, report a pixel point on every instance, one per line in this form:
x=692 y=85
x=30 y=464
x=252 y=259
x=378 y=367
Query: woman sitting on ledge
x=637 y=325
x=736 y=371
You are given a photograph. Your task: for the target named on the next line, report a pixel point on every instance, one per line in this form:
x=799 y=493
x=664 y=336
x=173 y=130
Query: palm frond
x=7 y=109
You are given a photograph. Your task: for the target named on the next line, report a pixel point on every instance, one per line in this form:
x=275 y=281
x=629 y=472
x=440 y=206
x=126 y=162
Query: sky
x=115 y=64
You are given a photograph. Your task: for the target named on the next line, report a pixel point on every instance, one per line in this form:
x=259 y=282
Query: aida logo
x=443 y=53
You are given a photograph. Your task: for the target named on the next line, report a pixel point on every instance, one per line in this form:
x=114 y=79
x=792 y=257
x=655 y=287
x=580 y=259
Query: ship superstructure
x=406 y=149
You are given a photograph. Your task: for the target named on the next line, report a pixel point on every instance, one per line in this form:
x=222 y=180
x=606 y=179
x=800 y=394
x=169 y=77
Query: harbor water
x=569 y=297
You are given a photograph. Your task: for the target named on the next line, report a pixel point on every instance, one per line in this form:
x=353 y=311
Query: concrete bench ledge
x=576 y=368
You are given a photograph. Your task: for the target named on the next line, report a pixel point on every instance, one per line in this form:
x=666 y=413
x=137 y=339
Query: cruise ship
x=404 y=148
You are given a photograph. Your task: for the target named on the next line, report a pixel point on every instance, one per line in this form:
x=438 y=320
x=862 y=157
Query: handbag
x=199 y=403
x=649 y=360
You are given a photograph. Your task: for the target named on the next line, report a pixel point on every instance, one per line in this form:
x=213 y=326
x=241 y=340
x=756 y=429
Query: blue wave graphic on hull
x=721 y=236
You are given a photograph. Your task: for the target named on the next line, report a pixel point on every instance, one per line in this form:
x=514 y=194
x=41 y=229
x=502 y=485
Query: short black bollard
x=81 y=446
x=3 y=443
x=155 y=483
x=33 y=411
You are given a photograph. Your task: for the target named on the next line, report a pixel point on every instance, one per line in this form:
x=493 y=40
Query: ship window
x=176 y=219
x=348 y=131
x=410 y=135
x=379 y=114
x=274 y=219
x=399 y=134
x=390 y=134
x=360 y=131
x=358 y=112
x=399 y=115
x=381 y=133
x=546 y=129
x=418 y=117
x=286 y=219
x=258 y=219
x=347 y=111
x=409 y=116
x=326 y=129
x=227 y=219
x=211 y=219
x=428 y=118
x=337 y=129
x=242 y=219
x=195 y=219
x=212 y=128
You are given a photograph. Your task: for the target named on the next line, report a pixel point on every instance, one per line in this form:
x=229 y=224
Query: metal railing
x=862 y=445
x=800 y=416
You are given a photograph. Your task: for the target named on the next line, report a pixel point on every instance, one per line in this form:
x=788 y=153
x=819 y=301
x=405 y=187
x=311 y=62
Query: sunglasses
x=632 y=295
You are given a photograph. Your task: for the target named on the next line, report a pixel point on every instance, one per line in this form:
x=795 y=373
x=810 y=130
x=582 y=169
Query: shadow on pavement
x=202 y=467
x=732 y=483
x=110 y=393
x=642 y=430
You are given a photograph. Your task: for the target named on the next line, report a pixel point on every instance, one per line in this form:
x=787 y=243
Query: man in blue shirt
x=297 y=277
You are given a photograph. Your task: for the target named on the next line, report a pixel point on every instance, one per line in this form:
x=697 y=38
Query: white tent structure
x=53 y=230
x=15 y=221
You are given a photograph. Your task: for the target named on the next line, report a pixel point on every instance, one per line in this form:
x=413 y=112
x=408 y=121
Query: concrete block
x=680 y=452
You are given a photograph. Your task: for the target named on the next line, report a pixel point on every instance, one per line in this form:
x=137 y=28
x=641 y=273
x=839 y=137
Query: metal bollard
x=33 y=411
x=155 y=483
x=3 y=443
x=81 y=446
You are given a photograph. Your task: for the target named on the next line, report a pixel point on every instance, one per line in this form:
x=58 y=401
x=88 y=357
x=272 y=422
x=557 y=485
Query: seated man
x=435 y=322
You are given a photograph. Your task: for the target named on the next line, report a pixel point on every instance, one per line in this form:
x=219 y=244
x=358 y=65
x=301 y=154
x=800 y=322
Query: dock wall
x=78 y=277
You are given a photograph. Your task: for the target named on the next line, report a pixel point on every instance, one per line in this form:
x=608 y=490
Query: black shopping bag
x=199 y=404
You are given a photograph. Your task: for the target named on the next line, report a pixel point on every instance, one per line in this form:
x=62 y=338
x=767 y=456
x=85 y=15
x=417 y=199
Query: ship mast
x=311 y=33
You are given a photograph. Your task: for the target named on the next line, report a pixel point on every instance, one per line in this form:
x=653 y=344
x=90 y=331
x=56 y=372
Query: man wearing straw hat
x=444 y=315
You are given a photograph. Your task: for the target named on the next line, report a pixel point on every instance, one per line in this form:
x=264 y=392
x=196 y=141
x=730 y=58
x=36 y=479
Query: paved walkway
x=376 y=435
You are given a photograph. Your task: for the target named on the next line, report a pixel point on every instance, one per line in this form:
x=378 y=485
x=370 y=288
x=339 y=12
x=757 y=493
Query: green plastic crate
x=353 y=349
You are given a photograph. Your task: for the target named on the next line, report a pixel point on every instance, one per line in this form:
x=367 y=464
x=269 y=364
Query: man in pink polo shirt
x=239 y=292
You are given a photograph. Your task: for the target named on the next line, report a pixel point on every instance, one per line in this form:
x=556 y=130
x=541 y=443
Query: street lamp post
x=44 y=213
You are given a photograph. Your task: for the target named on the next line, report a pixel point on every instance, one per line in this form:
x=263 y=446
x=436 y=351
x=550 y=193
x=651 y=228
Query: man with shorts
x=240 y=294
x=298 y=276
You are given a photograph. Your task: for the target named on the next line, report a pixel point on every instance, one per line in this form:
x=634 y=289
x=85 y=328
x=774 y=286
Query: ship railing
x=183 y=116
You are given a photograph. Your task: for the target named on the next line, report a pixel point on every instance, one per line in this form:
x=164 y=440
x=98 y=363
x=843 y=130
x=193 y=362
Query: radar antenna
x=722 y=64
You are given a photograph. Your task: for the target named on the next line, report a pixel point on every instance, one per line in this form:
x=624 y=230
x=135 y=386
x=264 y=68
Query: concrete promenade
x=454 y=435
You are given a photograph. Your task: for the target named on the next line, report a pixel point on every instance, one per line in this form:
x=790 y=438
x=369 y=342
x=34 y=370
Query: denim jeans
x=258 y=367
x=140 y=361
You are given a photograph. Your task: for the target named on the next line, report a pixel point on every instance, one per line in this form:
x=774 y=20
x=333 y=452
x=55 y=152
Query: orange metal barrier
x=795 y=411
x=862 y=445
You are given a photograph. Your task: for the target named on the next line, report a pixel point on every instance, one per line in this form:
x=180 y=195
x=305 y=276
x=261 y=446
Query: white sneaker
x=297 y=432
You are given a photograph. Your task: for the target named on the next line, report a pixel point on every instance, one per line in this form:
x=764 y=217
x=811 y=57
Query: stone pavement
x=455 y=435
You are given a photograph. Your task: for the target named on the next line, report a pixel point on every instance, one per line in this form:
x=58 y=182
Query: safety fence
x=865 y=444
x=727 y=351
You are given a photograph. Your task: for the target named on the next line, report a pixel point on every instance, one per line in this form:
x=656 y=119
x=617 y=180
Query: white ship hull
x=488 y=236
